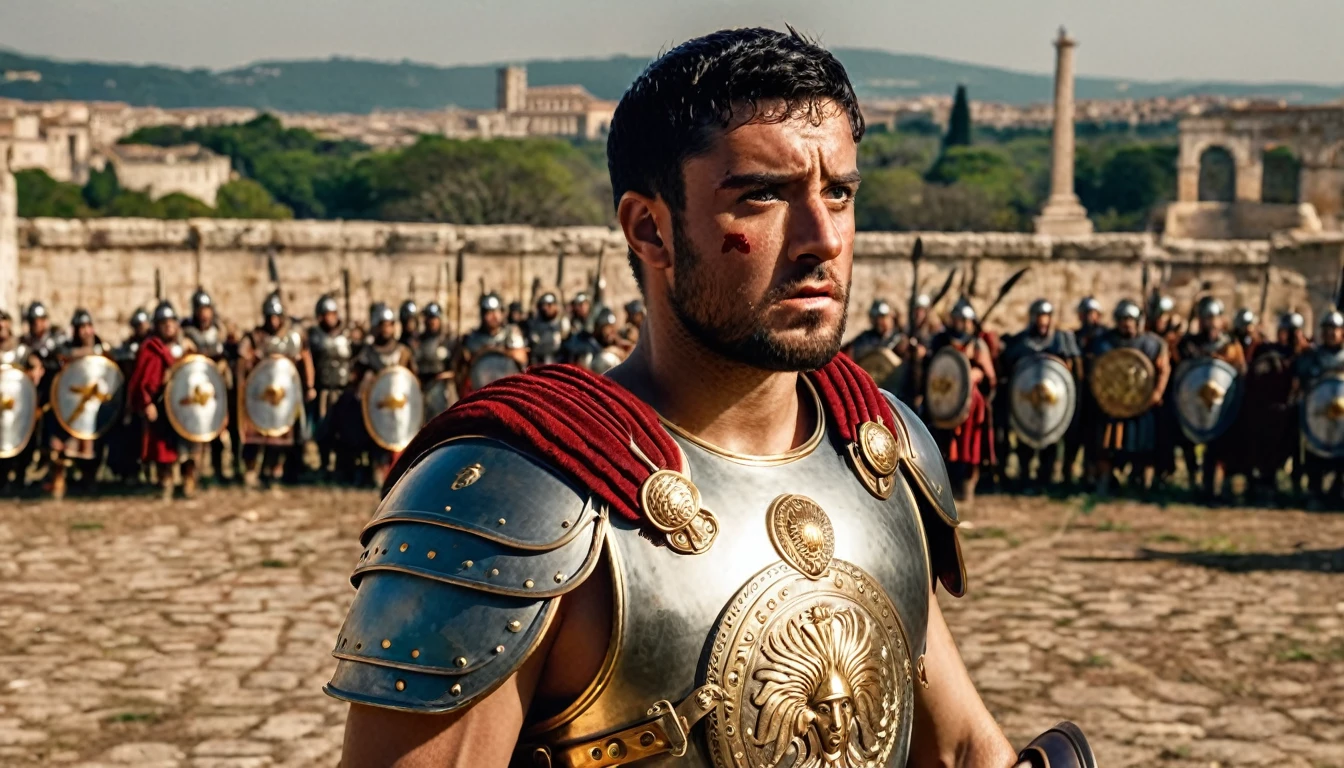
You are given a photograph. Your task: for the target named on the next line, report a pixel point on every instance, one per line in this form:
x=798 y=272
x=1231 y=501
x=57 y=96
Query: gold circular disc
x=879 y=447
x=669 y=499
x=802 y=534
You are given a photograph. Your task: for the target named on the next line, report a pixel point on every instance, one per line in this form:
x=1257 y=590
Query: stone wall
x=108 y=266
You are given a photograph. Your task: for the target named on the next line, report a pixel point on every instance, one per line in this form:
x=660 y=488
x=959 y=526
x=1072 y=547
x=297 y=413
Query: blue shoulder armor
x=457 y=583
x=922 y=464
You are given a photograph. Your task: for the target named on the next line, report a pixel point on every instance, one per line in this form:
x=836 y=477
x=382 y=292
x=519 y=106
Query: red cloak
x=148 y=378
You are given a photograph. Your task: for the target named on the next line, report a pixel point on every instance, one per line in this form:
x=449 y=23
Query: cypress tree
x=959 y=124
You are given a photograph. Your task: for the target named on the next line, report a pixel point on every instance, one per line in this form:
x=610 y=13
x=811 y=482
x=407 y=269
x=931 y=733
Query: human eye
x=761 y=195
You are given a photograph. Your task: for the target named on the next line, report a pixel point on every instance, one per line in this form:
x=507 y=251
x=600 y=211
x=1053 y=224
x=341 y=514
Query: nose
x=813 y=230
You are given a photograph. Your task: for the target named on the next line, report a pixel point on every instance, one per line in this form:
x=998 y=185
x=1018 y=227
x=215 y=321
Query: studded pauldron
x=488 y=538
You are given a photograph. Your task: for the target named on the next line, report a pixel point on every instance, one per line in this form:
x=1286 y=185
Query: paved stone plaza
x=197 y=635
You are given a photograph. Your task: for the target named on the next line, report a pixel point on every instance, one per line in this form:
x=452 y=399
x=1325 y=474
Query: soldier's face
x=84 y=334
x=606 y=335
x=1332 y=337
x=205 y=316
x=1042 y=323
x=1091 y=317
x=140 y=329
x=433 y=324
x=492 y=319
x=580 y=310
x=5 y=330
x=1127 y=327
x=38 y=325
x=273 y=322
x=329 y=319
x=549 y=310
x=884 y=324
x=763 y=251
x=167 y=329
x=386 y=329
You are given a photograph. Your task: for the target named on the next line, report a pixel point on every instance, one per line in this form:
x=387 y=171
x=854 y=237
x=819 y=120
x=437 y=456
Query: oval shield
x=1208 y=397
x=1122 y=381
x=393 y=407
x=18 y=411
x=886 y=367
x=1323 y=416
x=492 y=365
x=947 y=395
x=194 y=399
x=1043 y=400
x=273 y=396
x=86 y=396
x=440 y=394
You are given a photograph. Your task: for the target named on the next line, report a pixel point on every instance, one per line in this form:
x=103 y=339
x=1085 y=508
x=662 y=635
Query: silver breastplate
x=432 y=353
x=286 y=343
x=545 y=337
x=737 y=617
x=331 y=357
x=208 y=341
x=16 y=356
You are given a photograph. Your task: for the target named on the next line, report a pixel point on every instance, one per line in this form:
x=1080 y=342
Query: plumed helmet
x=1088 y=304
x=491 y=302
x=604 y=318
x=635 y=307
x=201 y=299
x=139 y=317
x=1332 y=319
x=546 y=299
x=1292 y=321
x=164 y=311
x=272 y=306
x=432 y=309
x=35 y=310
x=1127 y=310
x=1041 y=307
x=1210 y=307
x=963 y=309
x=1243 y=319
x=922 y=301
x=324 y=305
x=880 y=308
x=380 y=313
x=407 y=310
x=81 y=317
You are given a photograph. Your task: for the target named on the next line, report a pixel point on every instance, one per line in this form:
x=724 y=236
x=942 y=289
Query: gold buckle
x=667 y=716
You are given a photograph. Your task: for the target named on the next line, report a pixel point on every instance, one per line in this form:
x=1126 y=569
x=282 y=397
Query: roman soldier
x=124 y=442
x=599 y=351
x=634 y=320
x=1129 y=438
x=580 y=308
x=517 y=316
x=924 y=325
x=1211 y=341
x=884 y=331
x=434 y=347
x=1265 y=433
x=409 y=316
x=331 y=349
x=126 y=352
x=495 y=339
x=15 y=354
x=162 y=445
x=264 y=454
x=969 y=445
x=743 y=582
x=209 y=338
x=66 y=449
x=382 y=350
x=1040 y=337
x=1312 y=366
x=546 y=330
x=1078 y=440
x=1246 y=331
x=43 y=340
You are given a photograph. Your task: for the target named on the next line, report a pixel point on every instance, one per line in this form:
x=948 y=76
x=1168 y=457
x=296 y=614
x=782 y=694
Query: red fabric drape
x=583 y=424
x=146 y=385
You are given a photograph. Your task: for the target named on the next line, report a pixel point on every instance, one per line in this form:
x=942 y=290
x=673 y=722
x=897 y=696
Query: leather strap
x=667 y=731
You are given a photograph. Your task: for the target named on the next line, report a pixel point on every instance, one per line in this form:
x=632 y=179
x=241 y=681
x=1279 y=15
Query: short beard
x=732 y=326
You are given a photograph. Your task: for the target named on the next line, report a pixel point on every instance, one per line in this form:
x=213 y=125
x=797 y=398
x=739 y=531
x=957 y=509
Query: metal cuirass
x=376 y=358
x=819 y=655
x=545 y=338
x=331 y=352
x=432 y=353
x=16 y=355
x=46 y=348
x=287 y=342
x=507 y=337
x=208 y=341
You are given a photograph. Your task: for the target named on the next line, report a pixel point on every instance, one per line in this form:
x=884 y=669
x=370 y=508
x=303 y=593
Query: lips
x=813 y=291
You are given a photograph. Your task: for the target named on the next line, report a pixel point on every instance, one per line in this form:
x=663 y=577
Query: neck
x=736 y=407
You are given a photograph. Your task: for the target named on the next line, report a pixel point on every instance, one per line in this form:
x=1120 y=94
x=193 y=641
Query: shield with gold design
x=947 y=388
x=273 y=396
x=1322 y=416
x=1207 y=396
x=1122 y=381
x=87 y=395
x=1043 y=398
x=393 y=407
x=194 y=399
x=18 y=410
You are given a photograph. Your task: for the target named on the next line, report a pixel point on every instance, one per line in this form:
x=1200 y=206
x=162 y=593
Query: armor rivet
x=564 y=524
x=415 y=653
x=559 y=578
x=494 y=571
x=596 y=753
x=456 y=690
x=529 y=584
x=431 y=554
x=646 y=739
x=501 y=521
x=359 y=646
x=499 y=649
x=515 y=626
x=387 y=643
x=405 y=546
x=448 y=508
x=467 y=564
x=401 y=685
x=460 y=661
x=616 y=748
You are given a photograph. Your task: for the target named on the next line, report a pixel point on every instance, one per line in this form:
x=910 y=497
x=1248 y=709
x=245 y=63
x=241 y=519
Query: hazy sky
x=1251 y=40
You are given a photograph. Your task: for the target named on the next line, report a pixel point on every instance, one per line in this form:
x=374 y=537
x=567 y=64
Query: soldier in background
x=434 y=347
x=1211 y=340
x=924 y=325
x=1265 y=434
x=43 y=341
x=1131 y=441
x=1040 y=337
x=1246 y=331
x=209 y=338
x=264 y=455
x=1325 y=356
x=492 y=335
x=382 y=350
x=598 y=351
x=124 y=440
x=1078 y=441
x=546 y=330
x=162 y=445
x=331 y=350
x=517 y=315
x=15 y=353
x=883 y=331
x=409 y=316
x=125 y=353
x=634 y=320
x=580 y=307
x=969 y=446
x=66 y=450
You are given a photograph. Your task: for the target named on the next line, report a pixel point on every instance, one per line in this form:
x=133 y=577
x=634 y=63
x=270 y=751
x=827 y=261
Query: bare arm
x=953 y=728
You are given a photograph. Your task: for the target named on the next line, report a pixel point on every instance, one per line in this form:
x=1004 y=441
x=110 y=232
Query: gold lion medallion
x=817 y=673
x=802 y=534
x=878 y=446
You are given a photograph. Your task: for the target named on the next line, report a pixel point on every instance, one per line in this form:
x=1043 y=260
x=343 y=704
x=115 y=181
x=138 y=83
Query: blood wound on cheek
x=734 y=241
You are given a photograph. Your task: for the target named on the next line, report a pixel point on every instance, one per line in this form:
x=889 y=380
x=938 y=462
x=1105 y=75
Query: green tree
x=41 y=195
x=246 y=199
x=1136 y=178
x=101 y=187
x=132 y=204
x=179 y=206
x=959 y=123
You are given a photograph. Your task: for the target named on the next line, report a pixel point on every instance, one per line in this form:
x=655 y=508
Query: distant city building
x=157 y=171
x=553 y=110
x=56 y=143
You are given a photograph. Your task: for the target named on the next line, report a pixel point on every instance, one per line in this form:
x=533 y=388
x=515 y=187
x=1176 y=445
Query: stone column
x=9 y=239
x=1063 y=214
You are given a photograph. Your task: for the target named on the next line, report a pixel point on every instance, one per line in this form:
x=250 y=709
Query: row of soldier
x=178 y=395
x=1091 y=401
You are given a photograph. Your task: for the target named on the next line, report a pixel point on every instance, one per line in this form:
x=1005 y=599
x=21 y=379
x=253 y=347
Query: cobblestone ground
x=198 y=635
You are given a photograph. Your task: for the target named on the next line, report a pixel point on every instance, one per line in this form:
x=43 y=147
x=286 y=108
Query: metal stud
x=431 y=554
x=501 y=521
x=387 y=643
x=494 y=571
x=564 y=524
x=404 y=547
x=415 y=653
x=467 y=564
x=529 y=584
x=448 y=508
x=515 y=626
x=456 y=690
x=559 y=578
x=460 y=661
x=499 y=649
x=401 y=685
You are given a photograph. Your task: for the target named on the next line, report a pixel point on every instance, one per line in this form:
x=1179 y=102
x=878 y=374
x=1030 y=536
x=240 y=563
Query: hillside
x=353 y=85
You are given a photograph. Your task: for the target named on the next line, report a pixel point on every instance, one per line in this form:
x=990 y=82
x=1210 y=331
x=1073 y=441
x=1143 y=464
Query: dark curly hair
x=671 y=111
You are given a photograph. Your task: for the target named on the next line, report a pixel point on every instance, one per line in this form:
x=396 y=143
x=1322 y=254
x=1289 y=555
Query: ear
x=640 y=218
